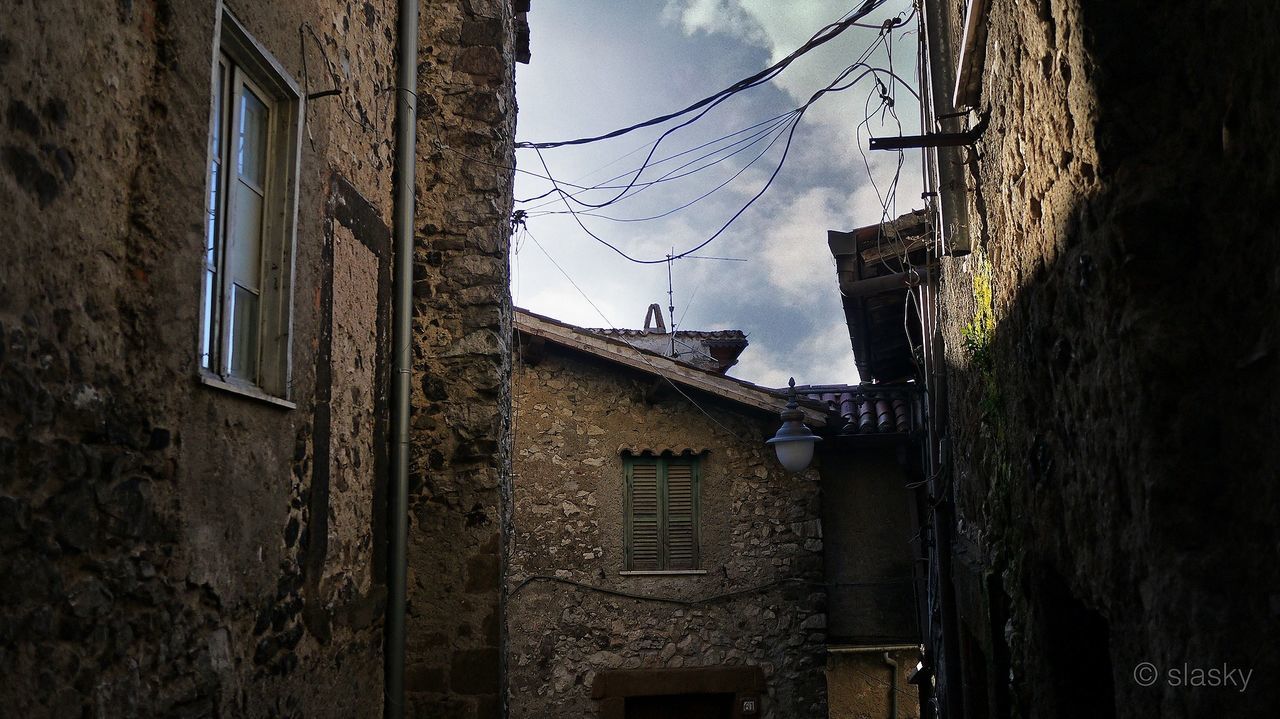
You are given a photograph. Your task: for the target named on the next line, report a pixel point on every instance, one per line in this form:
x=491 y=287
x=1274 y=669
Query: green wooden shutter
x=644 y=521
x=682 y=515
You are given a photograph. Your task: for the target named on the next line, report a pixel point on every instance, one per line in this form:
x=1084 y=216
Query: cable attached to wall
x=709 y=599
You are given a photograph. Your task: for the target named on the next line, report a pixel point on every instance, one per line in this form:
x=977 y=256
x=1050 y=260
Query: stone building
x=196 y=354
x=662 y=560
x=664 y=563
x=867 y=463
x=1101 y=356
x=716 y=350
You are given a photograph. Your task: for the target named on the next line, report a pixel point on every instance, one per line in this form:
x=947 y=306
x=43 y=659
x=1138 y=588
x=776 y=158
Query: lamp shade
x=794 y=441
x=795 y=455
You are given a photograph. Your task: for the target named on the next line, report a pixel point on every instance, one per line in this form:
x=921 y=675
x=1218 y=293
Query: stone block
x=475 y=671
x=483 y=573
x=424 y=678
x=483 y=62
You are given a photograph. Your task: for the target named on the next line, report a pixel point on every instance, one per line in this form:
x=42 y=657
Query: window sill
x=248 y=391
x=660 y=572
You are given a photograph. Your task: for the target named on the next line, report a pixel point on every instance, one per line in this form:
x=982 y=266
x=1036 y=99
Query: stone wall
x=1112 y=345
x=460 y=482
x=867 y=533
x=760 y=533
x=864 y=685
x=172 y=549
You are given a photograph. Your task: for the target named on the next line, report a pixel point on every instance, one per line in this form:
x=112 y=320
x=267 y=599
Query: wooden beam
x=876 y=285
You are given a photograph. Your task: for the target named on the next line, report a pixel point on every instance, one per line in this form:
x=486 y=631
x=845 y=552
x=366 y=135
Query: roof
x=614 y=348
x=869 y=409
x=725 y=335
x=716 y=350
x=873 y=277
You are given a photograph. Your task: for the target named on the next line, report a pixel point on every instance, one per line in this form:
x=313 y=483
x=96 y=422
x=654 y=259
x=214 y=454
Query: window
x=661 y=513
x=251 y=210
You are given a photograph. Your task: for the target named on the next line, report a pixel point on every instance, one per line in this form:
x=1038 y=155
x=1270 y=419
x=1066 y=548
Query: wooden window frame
x=247 y=64
x=663 y=464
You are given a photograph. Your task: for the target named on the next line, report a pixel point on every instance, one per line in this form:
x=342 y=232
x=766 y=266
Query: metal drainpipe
x=401 y=337
x=893 y=679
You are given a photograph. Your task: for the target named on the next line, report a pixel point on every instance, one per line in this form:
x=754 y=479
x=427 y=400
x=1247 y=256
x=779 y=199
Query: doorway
x=681 y=706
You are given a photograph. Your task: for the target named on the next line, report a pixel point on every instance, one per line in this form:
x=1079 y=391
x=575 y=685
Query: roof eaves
x=623 y=353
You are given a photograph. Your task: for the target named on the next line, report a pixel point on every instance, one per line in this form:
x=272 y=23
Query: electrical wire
x=672 y=175
x=707 y=104
x=826 y=34
x=660 y=599
x=530 y=579
x=695 y=200
x=885 y=32
x=772 y=122
x=835 y=86
x=640 y=353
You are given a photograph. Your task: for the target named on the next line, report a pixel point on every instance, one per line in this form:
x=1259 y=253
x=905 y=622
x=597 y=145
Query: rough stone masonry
x=1112 y=355
x=169 y=548
x=460 y=484
x=761 y=534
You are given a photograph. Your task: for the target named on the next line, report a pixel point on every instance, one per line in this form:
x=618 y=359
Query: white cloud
x=785 y=297
x=725 y=17
x=823 y=357
x=793 y=242
x=781 y=27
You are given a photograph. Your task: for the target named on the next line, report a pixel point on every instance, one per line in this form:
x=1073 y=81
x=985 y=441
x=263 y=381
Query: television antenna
x=671 y=302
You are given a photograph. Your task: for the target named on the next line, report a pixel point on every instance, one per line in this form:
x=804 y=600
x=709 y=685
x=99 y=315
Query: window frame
x=663 y=463
x=241 y=62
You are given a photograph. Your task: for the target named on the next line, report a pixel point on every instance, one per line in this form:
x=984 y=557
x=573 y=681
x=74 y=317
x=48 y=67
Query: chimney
x=654 y=316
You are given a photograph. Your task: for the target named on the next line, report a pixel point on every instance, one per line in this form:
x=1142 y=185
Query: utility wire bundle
x=764 y=135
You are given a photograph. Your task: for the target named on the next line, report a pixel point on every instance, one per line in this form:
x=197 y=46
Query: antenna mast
x=671 y=303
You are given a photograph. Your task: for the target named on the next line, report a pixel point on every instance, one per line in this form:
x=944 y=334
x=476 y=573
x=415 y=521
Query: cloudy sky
x=601 y=65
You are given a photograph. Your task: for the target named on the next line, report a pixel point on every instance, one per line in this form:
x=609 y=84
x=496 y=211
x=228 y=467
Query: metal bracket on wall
x=933 y=139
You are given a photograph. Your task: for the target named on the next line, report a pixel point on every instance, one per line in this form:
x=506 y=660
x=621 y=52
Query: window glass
x=215 y=165
x=242 y=346
x=251 y=150
x=206 y=319
x=253 y=147
x=209 y=292
x=245 y=252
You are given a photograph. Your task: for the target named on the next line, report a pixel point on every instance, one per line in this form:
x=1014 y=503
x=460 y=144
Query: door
x=681 y=706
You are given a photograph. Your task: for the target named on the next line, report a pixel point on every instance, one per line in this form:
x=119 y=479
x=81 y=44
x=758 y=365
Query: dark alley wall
x=169 y=548
x=867 y=529
x=1113 y=346
x=173 y=549
x=460 y=482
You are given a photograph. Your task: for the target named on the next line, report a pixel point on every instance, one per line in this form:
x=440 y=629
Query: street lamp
x=794 y=441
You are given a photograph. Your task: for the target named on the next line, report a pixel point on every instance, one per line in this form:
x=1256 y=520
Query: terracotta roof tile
x=869 y=409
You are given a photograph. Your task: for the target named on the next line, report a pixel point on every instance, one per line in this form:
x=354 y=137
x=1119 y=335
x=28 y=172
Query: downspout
x=402 y=368
x=893 y=684
x=944 y=178
x=949 y=185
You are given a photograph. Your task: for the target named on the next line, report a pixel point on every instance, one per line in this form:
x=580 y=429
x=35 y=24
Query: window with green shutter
x=661 y=513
